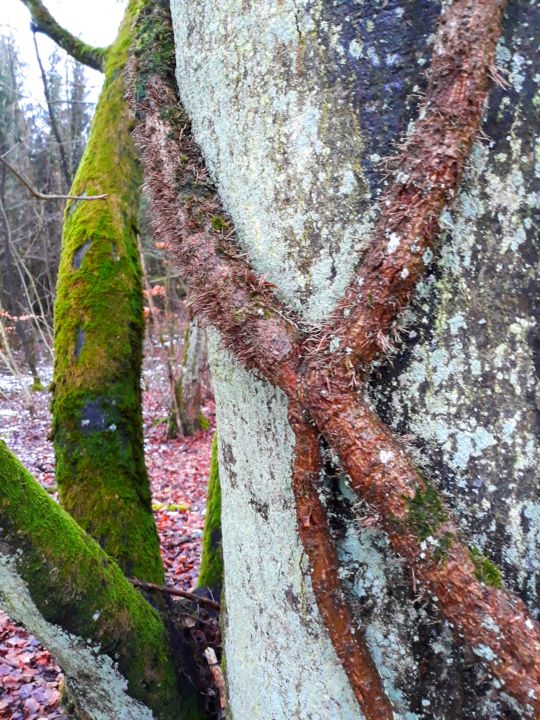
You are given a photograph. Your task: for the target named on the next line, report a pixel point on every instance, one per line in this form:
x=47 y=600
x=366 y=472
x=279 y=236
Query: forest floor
x=30 y=680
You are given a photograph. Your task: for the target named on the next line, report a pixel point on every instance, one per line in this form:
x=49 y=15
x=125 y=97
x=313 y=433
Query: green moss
x=86 y=54
x=37 y=386
x=99 y=328
x=204 y=423
x=426 y=512
x=75 y=585
x=211 y=572
x=220 y=224
x=484 y=570
x=154 y=41
x=444 y=543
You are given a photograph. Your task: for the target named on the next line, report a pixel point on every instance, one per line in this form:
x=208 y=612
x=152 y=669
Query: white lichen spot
x=456 y=323
x=348 y=183
x=485 y=652
x=517 y=76
x=334 y=344
x=385 y=456
x=393 y=243
x=490 y=624
x=356 y=48
x=391 y=59
x=427 y=256
x=373 y=57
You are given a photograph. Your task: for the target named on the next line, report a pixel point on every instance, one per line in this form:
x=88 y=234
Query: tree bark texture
x=294 y=105
x=99 y=330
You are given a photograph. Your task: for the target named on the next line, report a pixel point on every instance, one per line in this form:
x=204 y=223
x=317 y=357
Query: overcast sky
x=95 y=21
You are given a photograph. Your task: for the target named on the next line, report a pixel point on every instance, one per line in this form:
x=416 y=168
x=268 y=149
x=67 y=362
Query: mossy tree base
x=211 y=571
x=61 y=585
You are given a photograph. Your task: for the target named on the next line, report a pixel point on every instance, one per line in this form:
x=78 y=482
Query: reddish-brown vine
x=321 y=387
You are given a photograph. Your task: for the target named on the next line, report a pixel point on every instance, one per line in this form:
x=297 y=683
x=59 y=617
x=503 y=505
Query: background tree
x=97 y=422
x=30 y=229
x=186 y=415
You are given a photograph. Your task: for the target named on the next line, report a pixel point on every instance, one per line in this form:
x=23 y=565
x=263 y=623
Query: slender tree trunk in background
x=12 y=289
x=294 y=105
x=188 y=401
x=99 y=330
x=64 y=164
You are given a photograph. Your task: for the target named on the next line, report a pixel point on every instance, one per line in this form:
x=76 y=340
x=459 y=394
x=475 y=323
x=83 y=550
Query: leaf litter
x=30 y=679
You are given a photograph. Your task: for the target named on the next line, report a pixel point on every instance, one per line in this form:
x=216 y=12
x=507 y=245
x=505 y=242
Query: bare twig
x=202 y=601
x=42 y=196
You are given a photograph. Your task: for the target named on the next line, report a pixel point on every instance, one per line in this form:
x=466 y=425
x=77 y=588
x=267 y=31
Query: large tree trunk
x=294 y=104
x=98 y=338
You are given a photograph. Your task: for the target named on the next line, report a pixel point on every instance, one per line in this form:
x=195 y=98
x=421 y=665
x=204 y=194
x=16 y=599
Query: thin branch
x=44 y=22
x=52 y=116
x=42 y=196
x=217 y=676
x=11 y=149
x=202 y=601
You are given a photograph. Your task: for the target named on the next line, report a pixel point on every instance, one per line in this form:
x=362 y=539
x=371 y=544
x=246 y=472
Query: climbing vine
x=323 y=376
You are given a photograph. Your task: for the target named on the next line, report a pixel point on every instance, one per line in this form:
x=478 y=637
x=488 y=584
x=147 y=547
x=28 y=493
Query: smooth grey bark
x=295 y=103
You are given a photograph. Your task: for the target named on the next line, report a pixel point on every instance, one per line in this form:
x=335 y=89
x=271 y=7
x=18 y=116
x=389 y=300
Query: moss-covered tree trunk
x=98 y=338
x=118 y=655
x=295 y=104
x=211 y=571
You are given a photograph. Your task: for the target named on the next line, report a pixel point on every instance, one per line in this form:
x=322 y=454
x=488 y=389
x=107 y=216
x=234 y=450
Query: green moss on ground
x=211 y=571
x=99 y=329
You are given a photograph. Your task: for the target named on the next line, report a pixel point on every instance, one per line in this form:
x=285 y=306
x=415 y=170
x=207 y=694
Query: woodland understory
x=323 y=370
x=178 y=468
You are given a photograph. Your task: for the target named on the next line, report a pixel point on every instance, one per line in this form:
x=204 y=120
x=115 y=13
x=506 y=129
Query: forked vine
x=324 y=389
